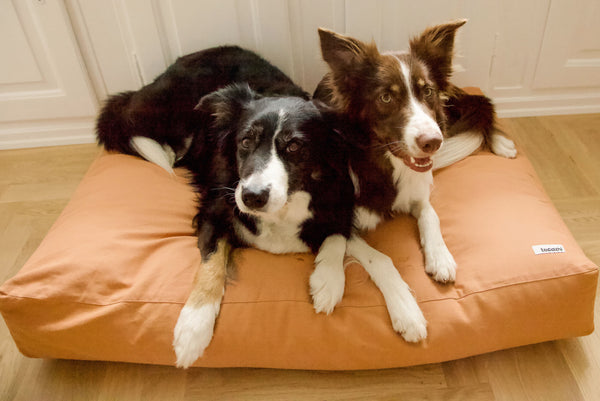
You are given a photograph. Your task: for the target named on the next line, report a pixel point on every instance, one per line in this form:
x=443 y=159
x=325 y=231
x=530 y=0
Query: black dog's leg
x=195 y=326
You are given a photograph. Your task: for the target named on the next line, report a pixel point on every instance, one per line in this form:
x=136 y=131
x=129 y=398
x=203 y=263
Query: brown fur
x=209 y=282
x=359 y=72
x=435 y=46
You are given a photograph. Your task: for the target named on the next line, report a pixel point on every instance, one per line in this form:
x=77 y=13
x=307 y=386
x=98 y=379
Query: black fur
x=164 y=109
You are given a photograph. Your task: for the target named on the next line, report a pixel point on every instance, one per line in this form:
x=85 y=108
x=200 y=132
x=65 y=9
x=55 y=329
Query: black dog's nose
x=255 y=199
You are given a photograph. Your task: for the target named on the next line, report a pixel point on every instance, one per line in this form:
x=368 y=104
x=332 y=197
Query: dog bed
x=110 y=278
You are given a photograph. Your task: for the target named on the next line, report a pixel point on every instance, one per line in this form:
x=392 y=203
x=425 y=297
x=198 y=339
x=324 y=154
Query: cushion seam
x=6 y=295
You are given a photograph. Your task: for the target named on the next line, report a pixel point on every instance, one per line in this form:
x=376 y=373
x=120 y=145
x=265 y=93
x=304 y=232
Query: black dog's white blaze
x=265 y=188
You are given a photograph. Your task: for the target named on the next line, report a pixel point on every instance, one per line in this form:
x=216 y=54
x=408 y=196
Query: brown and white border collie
x=401 y=109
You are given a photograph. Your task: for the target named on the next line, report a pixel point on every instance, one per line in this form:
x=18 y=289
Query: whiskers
x=228 y=193
x=393 y=146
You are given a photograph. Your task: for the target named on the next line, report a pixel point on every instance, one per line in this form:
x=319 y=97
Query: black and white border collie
x=407 y=119
x=263 y=167
x=274 y=184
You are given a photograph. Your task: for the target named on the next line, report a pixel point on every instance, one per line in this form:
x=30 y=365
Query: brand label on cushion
x=542 y=249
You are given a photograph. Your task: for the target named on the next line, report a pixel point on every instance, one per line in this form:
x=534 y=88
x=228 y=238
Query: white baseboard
x=527 y=106
x=38 y=134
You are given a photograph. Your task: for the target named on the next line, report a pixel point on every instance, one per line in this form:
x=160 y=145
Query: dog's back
x=164 y=109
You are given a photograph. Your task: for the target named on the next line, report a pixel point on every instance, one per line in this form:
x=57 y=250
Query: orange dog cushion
x=110 y=278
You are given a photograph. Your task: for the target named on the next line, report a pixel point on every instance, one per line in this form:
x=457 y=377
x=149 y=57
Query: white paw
x=502 y=146
x=326 y=287
x=441 y=265
x=412 y=331
x=408 y=320
x=193 y=332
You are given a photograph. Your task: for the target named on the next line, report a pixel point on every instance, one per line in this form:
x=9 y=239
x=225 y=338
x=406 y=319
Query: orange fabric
x=109 y=280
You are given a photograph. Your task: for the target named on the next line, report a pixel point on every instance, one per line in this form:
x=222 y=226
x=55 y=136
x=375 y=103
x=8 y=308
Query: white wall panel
x=43 y=83
x=270 y=21
x=570 y=54
x=142 y=20
x=105 y=27
x=306 y=17
x=284 y=32
x=392 y=23
x=194 y=25
x=514 y=62
x=22 y=66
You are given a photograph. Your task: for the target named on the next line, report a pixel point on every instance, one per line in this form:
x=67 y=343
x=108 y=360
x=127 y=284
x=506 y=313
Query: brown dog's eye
x=292 y=147
x=385 y=98
x=428 y=91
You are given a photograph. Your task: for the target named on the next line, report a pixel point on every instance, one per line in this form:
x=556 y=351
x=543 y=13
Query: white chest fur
x=366 y=219
x=412 y=186
x=279 y=232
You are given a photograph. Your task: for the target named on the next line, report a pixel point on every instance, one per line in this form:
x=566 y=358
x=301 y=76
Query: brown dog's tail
x=471 y=125
x=467 y=112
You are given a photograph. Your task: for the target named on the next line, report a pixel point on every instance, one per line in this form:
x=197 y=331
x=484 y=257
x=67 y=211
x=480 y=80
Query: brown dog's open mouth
x=419 y=164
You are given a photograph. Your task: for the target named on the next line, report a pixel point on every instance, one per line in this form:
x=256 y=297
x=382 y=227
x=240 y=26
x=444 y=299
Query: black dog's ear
x=332 y=139
x=344 y=132
x=226 y=104
x=435 y=46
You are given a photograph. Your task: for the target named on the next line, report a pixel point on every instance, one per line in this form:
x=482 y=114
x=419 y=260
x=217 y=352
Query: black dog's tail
x=114 y=128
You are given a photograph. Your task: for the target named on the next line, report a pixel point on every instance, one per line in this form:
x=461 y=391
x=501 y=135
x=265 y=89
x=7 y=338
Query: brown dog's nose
x=429 y=143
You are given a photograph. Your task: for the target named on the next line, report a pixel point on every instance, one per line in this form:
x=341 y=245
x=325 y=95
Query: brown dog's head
x=398 y=95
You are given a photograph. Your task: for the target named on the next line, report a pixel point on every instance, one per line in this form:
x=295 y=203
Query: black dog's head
x=281 y=146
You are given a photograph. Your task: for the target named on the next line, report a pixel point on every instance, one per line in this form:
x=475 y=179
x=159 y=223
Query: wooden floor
x=35 y=185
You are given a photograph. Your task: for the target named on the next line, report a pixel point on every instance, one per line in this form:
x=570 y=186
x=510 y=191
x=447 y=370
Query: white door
x=144 y=37
x=570 y=55
x=44 y=88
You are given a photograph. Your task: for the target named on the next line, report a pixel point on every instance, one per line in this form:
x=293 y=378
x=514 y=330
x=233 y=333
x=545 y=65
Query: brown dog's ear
x=341 y=52
x=435 y=46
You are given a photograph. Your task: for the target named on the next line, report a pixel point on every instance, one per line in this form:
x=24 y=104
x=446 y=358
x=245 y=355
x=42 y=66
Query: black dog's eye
x=293 y=146
x=385 y=98
x=250 y=136
x=246 y=142
x=428 y=91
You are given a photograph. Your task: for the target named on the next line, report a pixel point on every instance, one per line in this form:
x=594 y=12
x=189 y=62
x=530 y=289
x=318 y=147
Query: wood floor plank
x=581 y=354
x=163 y=383
x=533 y=373
x=261 y=384
x=464 y=373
